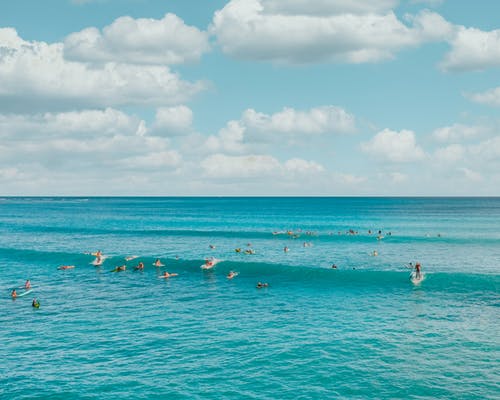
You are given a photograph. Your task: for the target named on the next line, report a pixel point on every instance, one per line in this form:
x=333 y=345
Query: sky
x=250 y=98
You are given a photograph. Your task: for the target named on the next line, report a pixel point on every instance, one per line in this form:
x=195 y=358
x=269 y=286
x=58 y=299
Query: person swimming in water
x=261 y=285
x=13 y=294
x=158 y=263
x=27 y=284
x=119 y=268
x=35 y=303
x=231 y=275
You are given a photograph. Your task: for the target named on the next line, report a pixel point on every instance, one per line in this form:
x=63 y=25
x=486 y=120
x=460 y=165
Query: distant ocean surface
x=360 y=331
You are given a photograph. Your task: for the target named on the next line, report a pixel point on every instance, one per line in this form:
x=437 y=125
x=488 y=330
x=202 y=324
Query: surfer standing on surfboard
x=418 y=273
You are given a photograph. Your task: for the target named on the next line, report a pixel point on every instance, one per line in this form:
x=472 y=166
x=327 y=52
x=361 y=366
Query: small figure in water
x=262 y=285
x=140 y=266
x=334 y=266
x=119 y=268
x=35 y=303
x=211 y=246
x=418 y=272
x=14 y=294
x=286 y=249
x=157 y=263
x=166 y=275
x=27 y=285
x=375 y=253
x=231 y=275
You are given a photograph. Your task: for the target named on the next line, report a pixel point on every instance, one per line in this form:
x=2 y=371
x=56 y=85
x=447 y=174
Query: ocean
x=361 y=330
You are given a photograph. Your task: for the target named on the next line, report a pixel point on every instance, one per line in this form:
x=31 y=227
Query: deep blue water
x=360 y=331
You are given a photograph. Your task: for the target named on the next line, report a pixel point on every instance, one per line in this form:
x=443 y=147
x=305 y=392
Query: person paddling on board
x=158 y=263
x=418 y=273
x=27 y=285
x=167 y=275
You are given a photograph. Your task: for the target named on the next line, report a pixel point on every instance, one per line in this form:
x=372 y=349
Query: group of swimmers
x=27 y=287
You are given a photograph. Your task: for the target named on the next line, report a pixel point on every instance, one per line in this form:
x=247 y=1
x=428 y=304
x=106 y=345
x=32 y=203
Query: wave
x=253 y=234
x=453 y=282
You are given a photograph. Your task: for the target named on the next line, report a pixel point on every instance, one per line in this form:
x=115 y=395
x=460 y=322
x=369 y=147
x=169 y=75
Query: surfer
x=14 y=294
x=286 y=249
x=35 y=303
x=231 y=275
x=166 y=275
x=140 y=266
x=119 y=268
x=209 y=262
x=66 y=267
x=157 y=263
x=334 y=266
x=27 y=284
x=418 y=273
x=262 y=285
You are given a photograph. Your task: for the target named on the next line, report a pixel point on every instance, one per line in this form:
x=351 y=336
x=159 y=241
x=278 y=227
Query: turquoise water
x=361 y=331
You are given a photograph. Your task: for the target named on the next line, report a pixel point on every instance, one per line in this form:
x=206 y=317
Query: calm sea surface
x=360 y=331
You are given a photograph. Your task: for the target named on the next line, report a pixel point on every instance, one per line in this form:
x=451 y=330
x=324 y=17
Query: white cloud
x=229 y=139
x=487 y=151
x=450 y=154
x=139 y=41
x=299 y=166
x=471 y=175
x=457 y=132
x=348 y=179
x=55 y=150
x=318 y=120
x=256 y=127
x=327 y=7
x=35 y=74
x=172 y=120
x=472 y=50
x=80 y=124
x=221 y=166
x=392 y=146
x=490 y=97
x=327 y=31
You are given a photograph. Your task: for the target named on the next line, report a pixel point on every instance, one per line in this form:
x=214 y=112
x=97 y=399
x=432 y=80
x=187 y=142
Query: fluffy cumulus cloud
x=458 y=132
x=490 y=97
x=35 y=74
x=395 y=147
x=298 y=32
x=170 y=121
x=472 y=50
x=86 y=123
x=327 y=7
x=289 y=123
x=139 y=41
x=221 y=166
x=59 y=152
x=450 y=154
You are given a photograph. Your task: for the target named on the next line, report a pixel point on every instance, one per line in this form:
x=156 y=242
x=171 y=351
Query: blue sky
x=250 y=97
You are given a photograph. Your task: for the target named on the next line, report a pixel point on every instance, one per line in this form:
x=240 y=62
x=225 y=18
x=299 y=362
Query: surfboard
x=24 y=293
x=415 y=280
